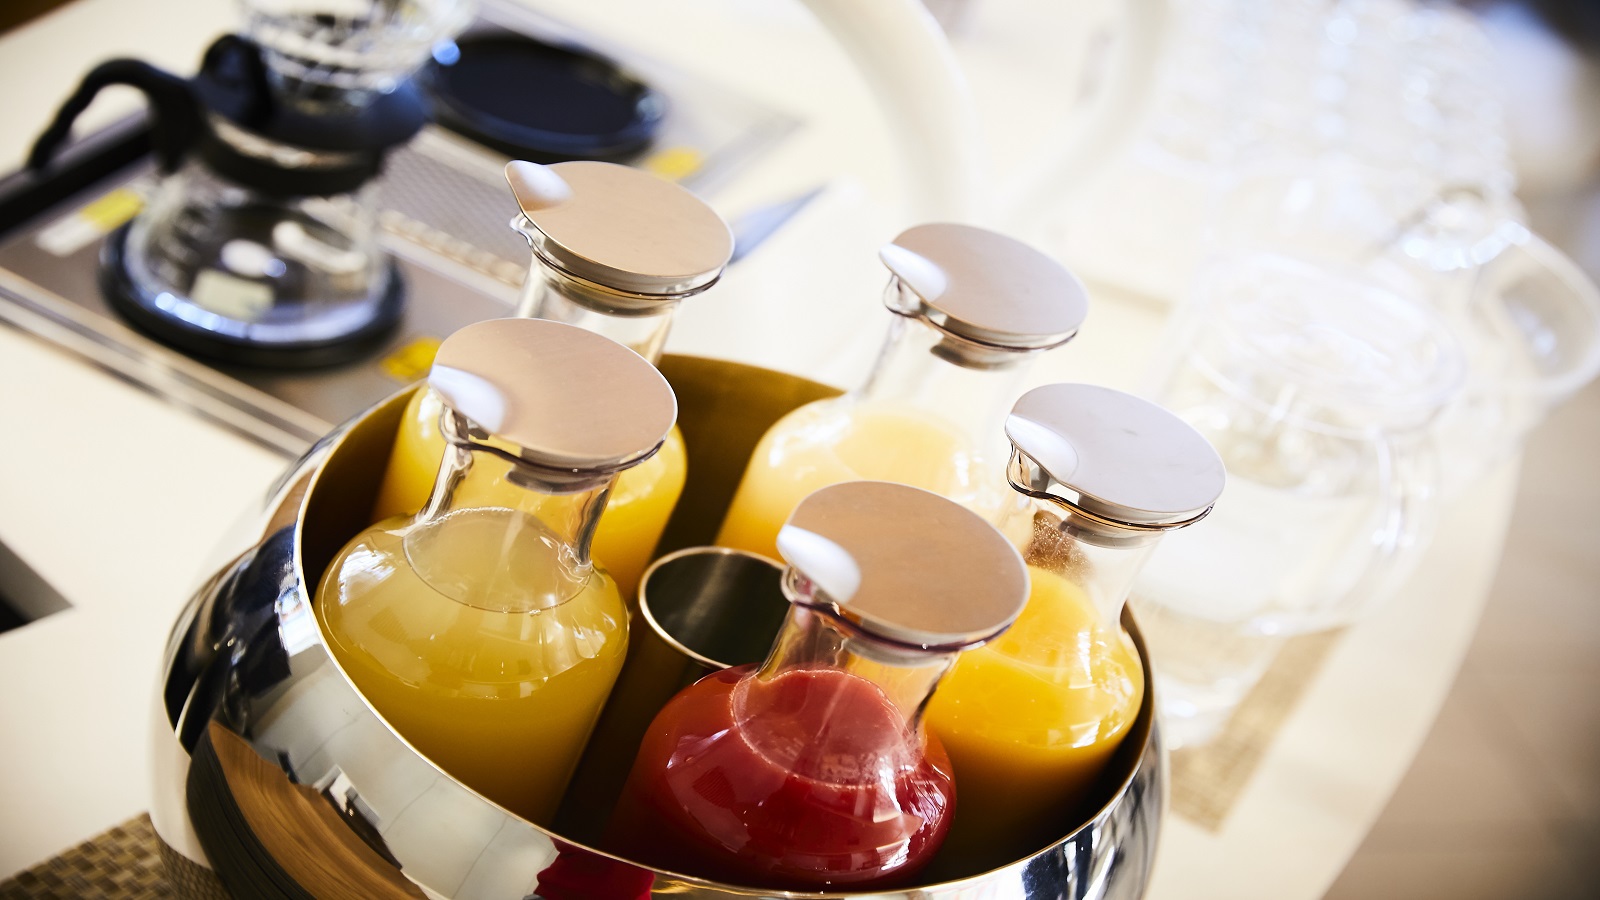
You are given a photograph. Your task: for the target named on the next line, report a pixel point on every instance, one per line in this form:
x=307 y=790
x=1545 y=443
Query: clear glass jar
x=1321 y=389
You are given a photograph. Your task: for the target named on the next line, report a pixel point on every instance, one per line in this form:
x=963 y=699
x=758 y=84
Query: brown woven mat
x=1207 y=780
x=122 y=862
x=129 y=862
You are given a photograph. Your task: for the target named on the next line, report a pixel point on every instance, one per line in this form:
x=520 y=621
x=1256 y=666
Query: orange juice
x=1030 y=720
x=641 y=500
x=495 y=672
x=837 y=440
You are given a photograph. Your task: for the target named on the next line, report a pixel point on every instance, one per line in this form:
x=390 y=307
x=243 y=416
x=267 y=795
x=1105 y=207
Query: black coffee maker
x=260 y=246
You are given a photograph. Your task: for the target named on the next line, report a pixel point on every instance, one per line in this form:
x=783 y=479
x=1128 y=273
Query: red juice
x=814 y=783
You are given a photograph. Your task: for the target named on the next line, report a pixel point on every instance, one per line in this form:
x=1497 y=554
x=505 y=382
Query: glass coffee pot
x=1527 y=317
x=260 y=247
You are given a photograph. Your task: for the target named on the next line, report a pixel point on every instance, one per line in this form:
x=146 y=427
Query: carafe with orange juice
x=479 y=629
x=970 y=307
x=615 y=249
x=1032 y=718
x=813 y=771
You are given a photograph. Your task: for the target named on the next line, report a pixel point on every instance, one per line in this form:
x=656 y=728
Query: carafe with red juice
x=813 y=771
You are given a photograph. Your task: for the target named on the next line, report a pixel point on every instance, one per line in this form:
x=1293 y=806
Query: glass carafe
x=1032 y=718
x=970 y=307
x=813 y=770
x=479 y=630
x=585 y=222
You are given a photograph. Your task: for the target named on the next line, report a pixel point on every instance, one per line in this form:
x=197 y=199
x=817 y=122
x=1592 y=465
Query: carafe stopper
x=985 y=287
x=620 y=227
x=905 y=564
x=1112 y=457
x=569 y=398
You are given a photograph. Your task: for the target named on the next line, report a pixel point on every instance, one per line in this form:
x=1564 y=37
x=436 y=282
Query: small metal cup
x=701 y=609
x=714 y=606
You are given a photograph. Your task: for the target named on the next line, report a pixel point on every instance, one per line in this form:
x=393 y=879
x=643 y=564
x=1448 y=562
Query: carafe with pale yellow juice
x=1031 y=719
x=971 y=308
x=615 y=249
x=479 y=629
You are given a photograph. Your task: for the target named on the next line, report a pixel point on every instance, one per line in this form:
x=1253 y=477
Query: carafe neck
x=544 y=516
x=1101 y=559
x=636 y=321
x=816 y=636
x=923 y=369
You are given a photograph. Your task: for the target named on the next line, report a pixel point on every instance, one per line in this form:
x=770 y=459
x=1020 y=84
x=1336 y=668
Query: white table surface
x=118 y=499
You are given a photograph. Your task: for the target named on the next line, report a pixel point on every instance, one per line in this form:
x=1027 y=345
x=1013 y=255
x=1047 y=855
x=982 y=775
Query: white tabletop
x=118 y=499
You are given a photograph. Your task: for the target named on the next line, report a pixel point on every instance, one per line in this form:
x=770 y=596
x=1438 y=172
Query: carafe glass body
x=480 y=630
x=812 y=771
x=1032 y=718
x=928 y=416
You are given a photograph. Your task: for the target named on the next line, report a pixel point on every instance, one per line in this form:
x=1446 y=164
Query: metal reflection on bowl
x=294 y=786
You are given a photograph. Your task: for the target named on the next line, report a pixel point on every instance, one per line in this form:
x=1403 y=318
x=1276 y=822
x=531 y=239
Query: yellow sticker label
x=412 y=361
x=675 y=163
x=77 y=230
x=113 y=209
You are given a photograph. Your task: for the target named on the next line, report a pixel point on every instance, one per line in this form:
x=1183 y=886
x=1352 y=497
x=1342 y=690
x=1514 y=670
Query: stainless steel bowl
x=294 y=786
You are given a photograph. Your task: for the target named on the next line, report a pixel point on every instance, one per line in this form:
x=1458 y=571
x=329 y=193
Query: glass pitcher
x=1318 y=389
x=1527 y=317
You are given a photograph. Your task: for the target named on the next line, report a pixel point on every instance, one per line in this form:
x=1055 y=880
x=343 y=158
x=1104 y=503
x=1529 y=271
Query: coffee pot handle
x=232 y=82
x=178 y=117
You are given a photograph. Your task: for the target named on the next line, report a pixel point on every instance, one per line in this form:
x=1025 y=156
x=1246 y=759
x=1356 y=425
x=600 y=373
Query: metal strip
x=237 y=408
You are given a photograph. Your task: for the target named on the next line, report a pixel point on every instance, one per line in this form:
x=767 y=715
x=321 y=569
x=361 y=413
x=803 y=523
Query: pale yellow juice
x=1031 y=719
x=832 y=441
x=467 y=637
x=641 y=500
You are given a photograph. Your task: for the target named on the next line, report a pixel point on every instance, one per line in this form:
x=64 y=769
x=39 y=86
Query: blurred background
x=1504 y=796
x=1452 y=126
